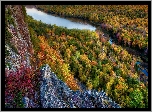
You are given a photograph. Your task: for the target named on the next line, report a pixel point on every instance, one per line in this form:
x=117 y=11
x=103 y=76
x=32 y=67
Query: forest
x=128 y=24
x=83 y=55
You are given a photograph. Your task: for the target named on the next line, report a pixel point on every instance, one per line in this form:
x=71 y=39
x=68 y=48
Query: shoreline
x=98 y=30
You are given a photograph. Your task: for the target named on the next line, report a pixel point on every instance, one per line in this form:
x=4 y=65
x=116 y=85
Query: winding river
x=50 y=19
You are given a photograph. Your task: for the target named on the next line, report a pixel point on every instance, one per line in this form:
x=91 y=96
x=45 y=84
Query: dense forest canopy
x=80 y=54
x=129 y=23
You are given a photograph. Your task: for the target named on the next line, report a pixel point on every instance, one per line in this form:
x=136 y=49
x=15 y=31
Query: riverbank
x=137 y=53
x=77 y=19
x=118 y=20
x=84 y=56
x=108 y=36
x=75 y=53
x=110 y=29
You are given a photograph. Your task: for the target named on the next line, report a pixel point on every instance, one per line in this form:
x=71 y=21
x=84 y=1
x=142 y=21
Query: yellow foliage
x=68 y=53
x=130 y=90
x=115 y=49
x=113 y=73
x=109 y=84
x=41 y=55
x=119 y=87
x=73 y=48
x=102 y=56
x=121 y=79
x=84 y=58
x=108 y=67
x=71 y=82
x=142 y=85
x=69 y=37
x=101 y=74
x=89 y=85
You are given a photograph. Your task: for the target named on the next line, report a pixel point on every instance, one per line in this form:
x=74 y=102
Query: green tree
x=136 y=99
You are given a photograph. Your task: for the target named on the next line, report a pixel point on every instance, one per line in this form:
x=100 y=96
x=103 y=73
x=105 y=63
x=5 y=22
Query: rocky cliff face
x=20 y=39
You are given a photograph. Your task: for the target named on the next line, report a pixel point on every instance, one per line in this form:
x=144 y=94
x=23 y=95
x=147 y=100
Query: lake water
x=49 y=19
x=143 y=70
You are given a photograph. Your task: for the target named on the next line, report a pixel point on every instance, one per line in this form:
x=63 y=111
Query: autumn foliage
x=18 y=81
x=49 y=55
x=128 y=24
x=73 y=53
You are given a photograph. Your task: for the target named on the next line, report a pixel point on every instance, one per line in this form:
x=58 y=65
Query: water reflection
x=49 y=19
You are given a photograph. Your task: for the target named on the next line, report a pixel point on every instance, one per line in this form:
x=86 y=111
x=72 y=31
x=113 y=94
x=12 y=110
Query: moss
x=24 y=13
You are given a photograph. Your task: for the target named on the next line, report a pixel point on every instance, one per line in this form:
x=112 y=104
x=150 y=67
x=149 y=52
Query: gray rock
x=26 y=102
x=56 y=94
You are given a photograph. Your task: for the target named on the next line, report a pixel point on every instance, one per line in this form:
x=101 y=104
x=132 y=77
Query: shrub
x=17 y=83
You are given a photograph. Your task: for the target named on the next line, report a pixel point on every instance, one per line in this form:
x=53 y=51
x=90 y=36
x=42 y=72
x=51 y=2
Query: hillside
x=127 y=24
x=23 y=75
x=82 y=63
x=19 y=53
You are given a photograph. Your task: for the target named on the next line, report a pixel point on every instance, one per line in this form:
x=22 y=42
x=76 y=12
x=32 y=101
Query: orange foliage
x=102 y=39
x=53 y=58
x=42 y=47
x=119 y=87
x=94 y=63
x=71 y=82
x=41 y=55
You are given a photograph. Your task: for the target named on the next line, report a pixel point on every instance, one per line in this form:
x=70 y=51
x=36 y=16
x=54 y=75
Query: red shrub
x=18 y=81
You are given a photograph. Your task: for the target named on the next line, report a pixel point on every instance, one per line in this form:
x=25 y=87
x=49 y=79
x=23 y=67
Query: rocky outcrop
x=54 y=93
x=19 y=52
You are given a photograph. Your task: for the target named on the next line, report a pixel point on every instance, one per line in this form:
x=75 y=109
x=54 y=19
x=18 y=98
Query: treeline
x=128 y=24
x=73 y=53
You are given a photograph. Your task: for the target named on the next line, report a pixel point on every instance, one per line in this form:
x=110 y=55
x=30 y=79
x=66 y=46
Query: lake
x=50 y=19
